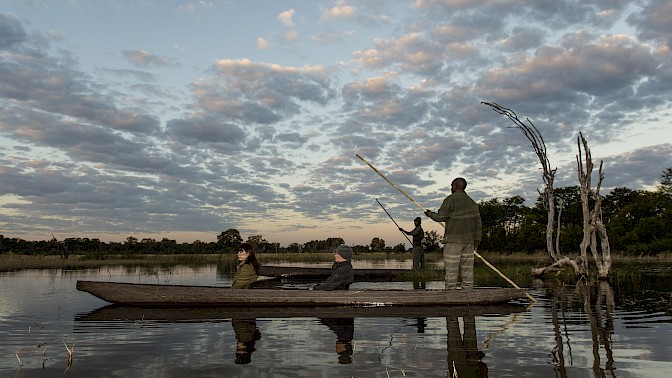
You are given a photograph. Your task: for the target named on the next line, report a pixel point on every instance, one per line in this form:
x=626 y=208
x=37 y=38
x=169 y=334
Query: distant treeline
x=638 y=223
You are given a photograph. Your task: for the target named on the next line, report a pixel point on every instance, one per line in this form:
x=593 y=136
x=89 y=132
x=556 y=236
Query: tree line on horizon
x=639 y=222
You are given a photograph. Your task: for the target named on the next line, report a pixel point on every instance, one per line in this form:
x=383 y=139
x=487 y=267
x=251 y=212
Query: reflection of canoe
x=181 y=295
x=213 y=314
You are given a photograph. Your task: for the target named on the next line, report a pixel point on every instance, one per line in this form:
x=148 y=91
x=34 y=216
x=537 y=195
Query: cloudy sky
x=181 y=119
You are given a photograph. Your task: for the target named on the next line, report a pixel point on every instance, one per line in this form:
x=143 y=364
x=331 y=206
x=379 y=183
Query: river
x=617 y=329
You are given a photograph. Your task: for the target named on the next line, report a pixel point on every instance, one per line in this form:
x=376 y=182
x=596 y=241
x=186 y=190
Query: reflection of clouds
x=47 y=301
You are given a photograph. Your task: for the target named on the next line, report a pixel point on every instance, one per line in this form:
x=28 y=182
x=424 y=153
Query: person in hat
x=418 y=253
x=342 y=274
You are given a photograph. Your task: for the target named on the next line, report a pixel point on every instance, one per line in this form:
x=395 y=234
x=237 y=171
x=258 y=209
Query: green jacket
x=245 y=276
x=463 y=220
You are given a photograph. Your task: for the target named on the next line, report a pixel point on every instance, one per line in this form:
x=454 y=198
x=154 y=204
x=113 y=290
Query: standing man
x=462 y=236
x=418 y=234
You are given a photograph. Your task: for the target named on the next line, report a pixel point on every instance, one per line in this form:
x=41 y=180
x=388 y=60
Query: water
x=618 y=330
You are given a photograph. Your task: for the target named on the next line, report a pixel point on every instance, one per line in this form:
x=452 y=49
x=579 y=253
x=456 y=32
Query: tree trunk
x=592 y=222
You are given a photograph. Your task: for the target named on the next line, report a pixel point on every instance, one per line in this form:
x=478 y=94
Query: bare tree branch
x=548 y=175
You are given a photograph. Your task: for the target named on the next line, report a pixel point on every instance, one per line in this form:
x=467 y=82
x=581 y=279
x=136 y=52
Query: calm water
x=617 y=330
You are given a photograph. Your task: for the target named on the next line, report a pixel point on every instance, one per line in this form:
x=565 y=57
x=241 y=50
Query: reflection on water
x=464 y=357
x=573 y=331
x=344 y=328
x=247 y=335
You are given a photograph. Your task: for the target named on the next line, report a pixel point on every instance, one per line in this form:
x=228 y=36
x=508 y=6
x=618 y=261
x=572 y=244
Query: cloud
x=339 y=11
x=269 y=146
x=412 y=53
x=262 y=44
x=142 y=58
x=286 y=18
x=207 y=130
x=12 y=32
x=261 y=93
x=654 y=22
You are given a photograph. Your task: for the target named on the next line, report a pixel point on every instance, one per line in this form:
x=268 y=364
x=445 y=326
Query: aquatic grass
x=70 y=351
x=12 y=262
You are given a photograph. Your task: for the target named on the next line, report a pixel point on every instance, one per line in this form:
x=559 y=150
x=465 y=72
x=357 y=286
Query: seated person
x=248 y=268
x=342 y=274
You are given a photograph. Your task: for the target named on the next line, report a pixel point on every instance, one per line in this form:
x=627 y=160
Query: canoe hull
x=183 y=295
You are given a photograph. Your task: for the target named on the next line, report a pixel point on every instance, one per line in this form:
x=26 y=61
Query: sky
x=183 y=119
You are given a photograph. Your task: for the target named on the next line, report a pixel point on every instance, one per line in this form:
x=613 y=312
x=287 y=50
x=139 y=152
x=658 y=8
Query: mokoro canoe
x=214 y=314
x=182 y=295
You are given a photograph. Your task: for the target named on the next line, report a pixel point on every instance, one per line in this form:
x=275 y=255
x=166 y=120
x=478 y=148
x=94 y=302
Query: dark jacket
x=418 y=234
x=341 y=277
x=462 y=217
x=245 y=277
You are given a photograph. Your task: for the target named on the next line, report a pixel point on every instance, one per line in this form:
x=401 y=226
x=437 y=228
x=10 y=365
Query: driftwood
x=556 y=267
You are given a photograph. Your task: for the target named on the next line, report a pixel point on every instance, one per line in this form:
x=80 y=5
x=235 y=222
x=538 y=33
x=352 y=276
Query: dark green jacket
x=245 y=276
x=462 y=217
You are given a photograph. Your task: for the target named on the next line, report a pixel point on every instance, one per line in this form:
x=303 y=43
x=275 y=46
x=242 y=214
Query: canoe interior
x=321 y=273
x=184 y=295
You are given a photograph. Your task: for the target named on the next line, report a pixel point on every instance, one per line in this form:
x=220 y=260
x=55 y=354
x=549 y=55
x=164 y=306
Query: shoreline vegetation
x=10 y=261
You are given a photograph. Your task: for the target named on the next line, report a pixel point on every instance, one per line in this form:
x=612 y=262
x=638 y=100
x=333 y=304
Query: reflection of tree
x=247 y=334
x=558 y=352
x=598 y=305
x=344 y=328
x=464 y=358
x=601 y=333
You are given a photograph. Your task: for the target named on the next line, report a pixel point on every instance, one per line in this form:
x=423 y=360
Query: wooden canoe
x=182 y=295
x=199 y=314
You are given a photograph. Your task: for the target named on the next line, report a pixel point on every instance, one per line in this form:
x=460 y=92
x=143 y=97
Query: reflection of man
x=344 y=328
x=247 y=334
x=463 y=351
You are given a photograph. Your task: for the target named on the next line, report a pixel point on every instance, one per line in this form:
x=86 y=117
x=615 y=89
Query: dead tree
x=592 y=221
x=548 y=174
x=61 y=247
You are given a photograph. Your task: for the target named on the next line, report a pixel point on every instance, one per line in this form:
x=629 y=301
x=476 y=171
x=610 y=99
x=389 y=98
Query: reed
x=70 y=351
x=11 y=262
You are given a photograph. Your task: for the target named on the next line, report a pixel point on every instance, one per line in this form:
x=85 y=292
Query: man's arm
x=445 y=211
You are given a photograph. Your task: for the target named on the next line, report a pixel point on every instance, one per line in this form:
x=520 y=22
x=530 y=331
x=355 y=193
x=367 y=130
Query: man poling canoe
x=425 y=211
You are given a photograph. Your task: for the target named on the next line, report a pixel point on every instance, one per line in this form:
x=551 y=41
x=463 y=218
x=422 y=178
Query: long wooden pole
x=388 y=214
x=423 y=210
